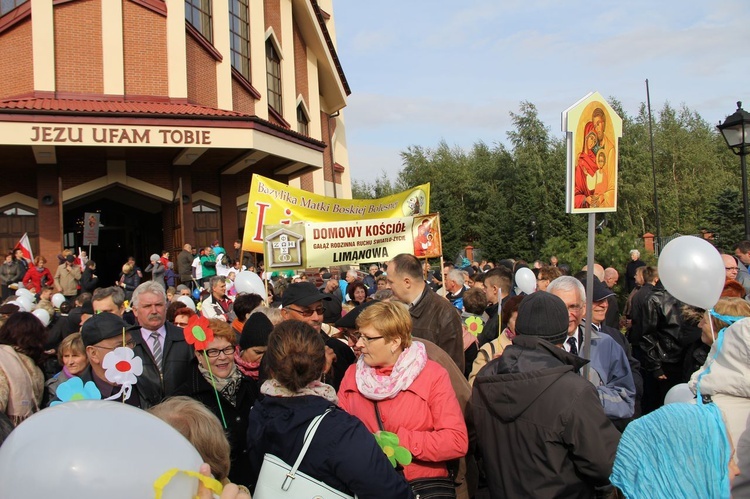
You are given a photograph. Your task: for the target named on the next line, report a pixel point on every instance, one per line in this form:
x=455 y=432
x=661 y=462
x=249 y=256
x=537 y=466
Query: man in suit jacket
x=162 y=346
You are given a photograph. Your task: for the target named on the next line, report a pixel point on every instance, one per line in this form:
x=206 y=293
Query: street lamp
x=736 y=132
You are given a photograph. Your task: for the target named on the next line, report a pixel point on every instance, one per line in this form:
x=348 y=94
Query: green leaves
x=389 y=443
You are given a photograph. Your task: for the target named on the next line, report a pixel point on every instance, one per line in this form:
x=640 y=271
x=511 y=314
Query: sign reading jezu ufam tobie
x=321 y=244
x=273 y=203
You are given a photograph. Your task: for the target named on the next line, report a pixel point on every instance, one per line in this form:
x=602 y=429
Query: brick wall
x=145 y=48
x=272 y=13
x=242 y=100
x=153 y=172
x=201 y=75
x=78 y=47
x=49 y=220
x=300 y=65
x=206 y=182
x=79 y=170
x=16 y=65
x=306 y=182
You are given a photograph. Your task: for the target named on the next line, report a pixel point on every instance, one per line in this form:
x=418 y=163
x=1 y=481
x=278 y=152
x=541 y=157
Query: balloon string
x=213 y=382
x=210 y=483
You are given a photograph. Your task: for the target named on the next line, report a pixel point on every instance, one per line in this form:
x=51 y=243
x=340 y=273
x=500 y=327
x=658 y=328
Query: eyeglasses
x=215 y=352
x=130 y=344
x=577 y=307
x=308 y=312
x=365 y=339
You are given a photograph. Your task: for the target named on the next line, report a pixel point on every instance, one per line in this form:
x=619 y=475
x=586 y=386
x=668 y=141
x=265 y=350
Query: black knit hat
x=256 y=331
x=101 y=327
x=544 y=315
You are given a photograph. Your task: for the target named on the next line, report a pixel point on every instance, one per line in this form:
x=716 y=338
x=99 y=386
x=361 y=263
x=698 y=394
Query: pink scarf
x=249 y=369
x=376 y=386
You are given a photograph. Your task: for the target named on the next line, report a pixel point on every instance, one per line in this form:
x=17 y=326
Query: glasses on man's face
x=575 y=308
x=308 y=311
x=215 y=352
x=365 y=339
x=130 y=343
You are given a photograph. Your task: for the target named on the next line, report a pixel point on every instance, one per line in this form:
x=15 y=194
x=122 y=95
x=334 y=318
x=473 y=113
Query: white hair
x=148 y=287
x=635 y=252
x=567 y=283
x=457 y=276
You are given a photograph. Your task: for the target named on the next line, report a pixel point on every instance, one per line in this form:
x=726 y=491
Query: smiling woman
x=218 y=384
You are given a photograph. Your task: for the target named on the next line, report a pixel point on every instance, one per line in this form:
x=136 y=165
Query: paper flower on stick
x=121 y=366
x=198 y=333
x=474 y=325
x=396 y=454
x=74 y=389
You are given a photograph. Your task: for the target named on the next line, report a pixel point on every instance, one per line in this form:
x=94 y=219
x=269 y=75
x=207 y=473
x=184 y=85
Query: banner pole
x=589 y=292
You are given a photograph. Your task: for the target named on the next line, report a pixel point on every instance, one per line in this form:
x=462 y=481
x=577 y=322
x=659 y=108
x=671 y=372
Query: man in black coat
x=541 y=429
x=162 y=346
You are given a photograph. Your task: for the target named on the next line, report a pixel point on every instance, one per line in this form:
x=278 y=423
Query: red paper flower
x=198 y=333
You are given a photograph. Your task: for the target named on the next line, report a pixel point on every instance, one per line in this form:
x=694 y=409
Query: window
x=17 y=220
x=198 y=14
x=8 y=5
x=273 y=76
x=18 y=211
x=206 y=224
x=240 y=36
x=302 y=120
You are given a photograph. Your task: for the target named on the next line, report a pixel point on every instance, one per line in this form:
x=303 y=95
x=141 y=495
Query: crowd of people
x=452 y=382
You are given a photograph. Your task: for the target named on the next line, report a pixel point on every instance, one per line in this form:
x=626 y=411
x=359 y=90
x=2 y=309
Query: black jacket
x=343 y=454
x=638 y=314
x=435 y=319
x=177 y=356
x=235 y=415
x=88 y=282
x=541 y=428
x=663 y=339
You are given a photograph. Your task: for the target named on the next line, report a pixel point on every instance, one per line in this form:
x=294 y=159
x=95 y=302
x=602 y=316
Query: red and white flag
x=25 y=246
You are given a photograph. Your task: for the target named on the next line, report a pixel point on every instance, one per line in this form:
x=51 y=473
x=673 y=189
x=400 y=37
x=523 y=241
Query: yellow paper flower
x=474 y=324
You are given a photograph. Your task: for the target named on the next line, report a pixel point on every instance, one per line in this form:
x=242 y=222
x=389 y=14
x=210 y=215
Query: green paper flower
x=396 y=454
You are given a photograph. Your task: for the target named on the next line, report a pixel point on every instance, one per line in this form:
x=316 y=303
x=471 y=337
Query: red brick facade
x=16 y=62
x=201 y=74
x=78 y=47
x=145 y=46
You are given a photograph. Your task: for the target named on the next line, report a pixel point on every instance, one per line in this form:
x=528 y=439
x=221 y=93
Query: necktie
x=157 y=349
x=572 y=343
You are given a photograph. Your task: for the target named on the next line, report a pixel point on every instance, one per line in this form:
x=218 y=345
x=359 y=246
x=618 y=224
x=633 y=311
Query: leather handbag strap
x=377 y=415
x=309 y=434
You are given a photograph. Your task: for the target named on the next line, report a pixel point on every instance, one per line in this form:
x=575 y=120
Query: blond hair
x=736 y=307
x=390 y=319
x=201 y=428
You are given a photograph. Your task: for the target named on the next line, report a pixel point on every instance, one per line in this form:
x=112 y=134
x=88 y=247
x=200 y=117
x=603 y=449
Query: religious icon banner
x=323 y=244
x=273 y=203
x=593 y=129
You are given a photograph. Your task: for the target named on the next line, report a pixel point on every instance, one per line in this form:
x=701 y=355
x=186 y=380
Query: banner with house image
x=324 y=244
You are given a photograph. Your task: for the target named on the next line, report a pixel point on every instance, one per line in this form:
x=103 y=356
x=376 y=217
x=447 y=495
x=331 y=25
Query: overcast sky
x=422 y=71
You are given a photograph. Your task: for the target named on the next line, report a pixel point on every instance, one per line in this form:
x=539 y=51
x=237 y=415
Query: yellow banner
x=273 y=203
x=322 y=244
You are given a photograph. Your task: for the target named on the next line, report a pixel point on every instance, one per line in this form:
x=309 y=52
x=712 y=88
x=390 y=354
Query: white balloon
x=26 y=292
x=58 y=299
x=42 y=315
x=679 y=394
x=187 y=301
x=25 y=303
x=692 y=270
x=105 y=449
x=526 y=280
x=249 y=282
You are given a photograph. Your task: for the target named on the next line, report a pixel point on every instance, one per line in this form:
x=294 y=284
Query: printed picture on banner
x=415 y=204
x=284 y=247
x=426 y=234
x=596 y=159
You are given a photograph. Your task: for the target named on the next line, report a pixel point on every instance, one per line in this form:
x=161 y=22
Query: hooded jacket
x=725 y=377
x=343 y=454
x=541 y=428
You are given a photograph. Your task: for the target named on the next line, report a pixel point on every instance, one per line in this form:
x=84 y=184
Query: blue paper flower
x=74 y=389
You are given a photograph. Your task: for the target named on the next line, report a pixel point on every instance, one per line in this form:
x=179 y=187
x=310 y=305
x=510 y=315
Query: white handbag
x=278 y=479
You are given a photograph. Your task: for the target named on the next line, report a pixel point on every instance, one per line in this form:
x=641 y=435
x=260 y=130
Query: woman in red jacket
x=394 y=387
x=38 y=276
